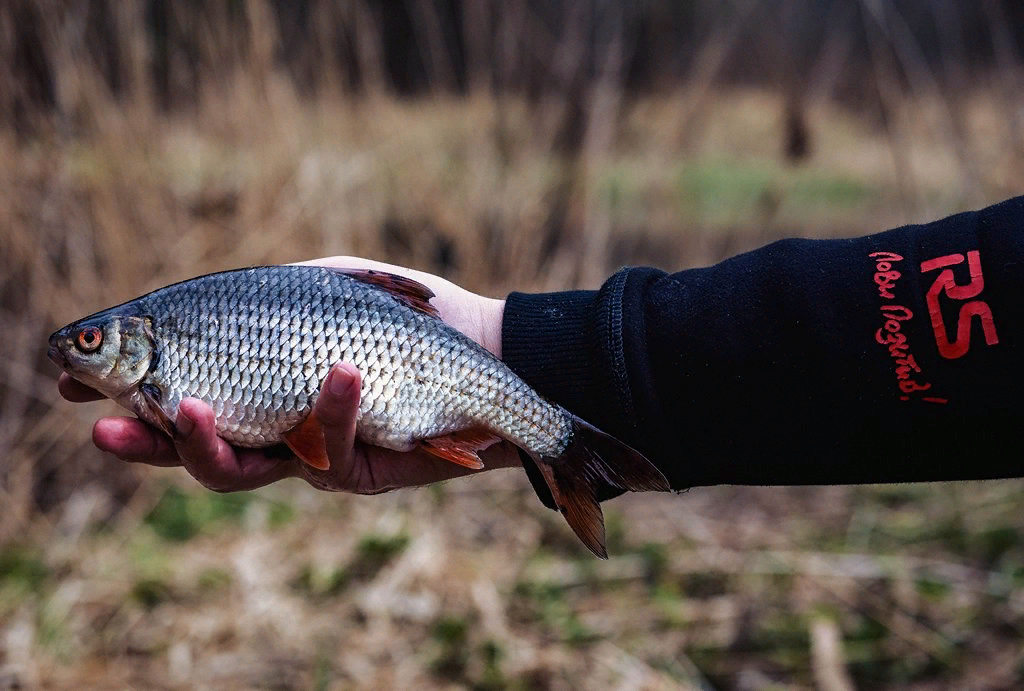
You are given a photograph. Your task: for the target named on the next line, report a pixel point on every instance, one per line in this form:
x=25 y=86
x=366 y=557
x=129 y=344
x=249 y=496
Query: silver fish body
x=256 y=344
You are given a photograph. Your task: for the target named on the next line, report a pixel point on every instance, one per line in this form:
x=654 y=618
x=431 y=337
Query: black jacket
x=888 y=358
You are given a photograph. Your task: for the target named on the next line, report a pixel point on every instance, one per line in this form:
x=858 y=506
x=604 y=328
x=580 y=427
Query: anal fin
x=461 y=447
x=307 y=441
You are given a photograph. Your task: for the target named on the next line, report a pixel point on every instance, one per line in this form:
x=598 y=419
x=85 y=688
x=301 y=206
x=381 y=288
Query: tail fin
x=593 y=457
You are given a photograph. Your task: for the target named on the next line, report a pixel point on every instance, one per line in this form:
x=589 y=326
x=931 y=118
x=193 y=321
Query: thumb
x=337 y=409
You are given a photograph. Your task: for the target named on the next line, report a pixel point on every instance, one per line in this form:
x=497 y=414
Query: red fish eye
x=89 y=339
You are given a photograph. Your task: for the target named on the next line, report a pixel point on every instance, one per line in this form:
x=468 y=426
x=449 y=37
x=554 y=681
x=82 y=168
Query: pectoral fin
x=307 y=441
x=461 y=447
x=152 y=412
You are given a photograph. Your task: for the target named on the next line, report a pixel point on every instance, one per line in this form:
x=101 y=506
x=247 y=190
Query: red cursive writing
x=885 y=276
x=891 y=335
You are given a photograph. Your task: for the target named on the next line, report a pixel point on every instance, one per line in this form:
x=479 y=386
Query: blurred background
x=505 y=145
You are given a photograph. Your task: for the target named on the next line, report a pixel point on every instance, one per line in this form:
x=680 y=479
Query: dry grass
x=113 y=576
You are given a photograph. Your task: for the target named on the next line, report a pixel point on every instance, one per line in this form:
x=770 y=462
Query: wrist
x=491 y=313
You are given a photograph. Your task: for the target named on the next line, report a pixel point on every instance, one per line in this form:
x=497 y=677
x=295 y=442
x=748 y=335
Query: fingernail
x=339 y=381
x=184 y=424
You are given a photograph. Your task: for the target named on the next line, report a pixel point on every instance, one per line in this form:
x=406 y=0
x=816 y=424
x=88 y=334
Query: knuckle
x=219 y=485
x=211 y=478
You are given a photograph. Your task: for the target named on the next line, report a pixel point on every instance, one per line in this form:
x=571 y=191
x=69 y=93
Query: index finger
x=75 y=391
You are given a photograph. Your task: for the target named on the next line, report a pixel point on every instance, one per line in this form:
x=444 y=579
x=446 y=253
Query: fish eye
x=89 y=339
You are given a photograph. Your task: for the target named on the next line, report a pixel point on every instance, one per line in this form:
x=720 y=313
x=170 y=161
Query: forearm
x=804 y=362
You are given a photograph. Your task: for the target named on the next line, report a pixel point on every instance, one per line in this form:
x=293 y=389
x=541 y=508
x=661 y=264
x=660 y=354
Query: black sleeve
x=889 y=358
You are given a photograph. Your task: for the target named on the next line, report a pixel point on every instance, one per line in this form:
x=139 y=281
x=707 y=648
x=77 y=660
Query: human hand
x=355 y=467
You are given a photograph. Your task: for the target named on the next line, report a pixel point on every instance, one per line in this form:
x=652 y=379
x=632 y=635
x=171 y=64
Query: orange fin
x=461 y=447
x=405 y=290
x=307 y=441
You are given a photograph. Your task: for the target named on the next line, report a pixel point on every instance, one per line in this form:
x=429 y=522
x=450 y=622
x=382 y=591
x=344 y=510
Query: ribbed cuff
x=571 y=347
x=544 y=339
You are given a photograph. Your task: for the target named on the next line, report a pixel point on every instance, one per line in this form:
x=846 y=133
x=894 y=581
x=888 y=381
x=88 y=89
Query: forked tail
x=593 y=457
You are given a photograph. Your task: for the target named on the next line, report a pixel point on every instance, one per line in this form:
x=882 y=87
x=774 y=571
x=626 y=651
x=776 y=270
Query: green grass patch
x=932 y=588
x=321 y=582
x=150 y=592
x=782 y=633
x=374 y=552
x=382 y=547
x=214 y=580
x=720 y=189
x=548 y=604
x=23 y=569
x=451 y=630
x=622 y=186
x=179 y=515
x=814 y=189
x=280 y=514
x=895 y=496
x=868 y=629
x=655 y=556
x=492 y=678
x=723 y=191
x=323 y=669
x=451 y=633
x=995 y=542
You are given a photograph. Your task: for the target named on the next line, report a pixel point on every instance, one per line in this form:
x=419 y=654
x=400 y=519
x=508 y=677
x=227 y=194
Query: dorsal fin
x=406 y=290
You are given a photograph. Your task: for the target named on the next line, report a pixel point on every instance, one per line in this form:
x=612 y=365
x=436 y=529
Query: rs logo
x=945 y=282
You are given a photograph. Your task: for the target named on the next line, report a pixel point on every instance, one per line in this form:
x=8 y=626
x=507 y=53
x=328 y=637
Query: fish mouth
x=57 y=357
x=55 y=354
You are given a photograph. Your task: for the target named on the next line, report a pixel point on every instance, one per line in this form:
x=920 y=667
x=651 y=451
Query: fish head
x=108 y=352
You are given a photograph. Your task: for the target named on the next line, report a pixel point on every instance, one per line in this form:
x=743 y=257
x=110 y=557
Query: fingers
x=222 y=468
x=75 y=391
x=133 y=440
x=337 y=409
x=212 y=461
x=207 y=457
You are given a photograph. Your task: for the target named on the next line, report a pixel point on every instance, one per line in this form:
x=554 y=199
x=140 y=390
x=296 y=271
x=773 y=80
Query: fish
x=257 y=343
